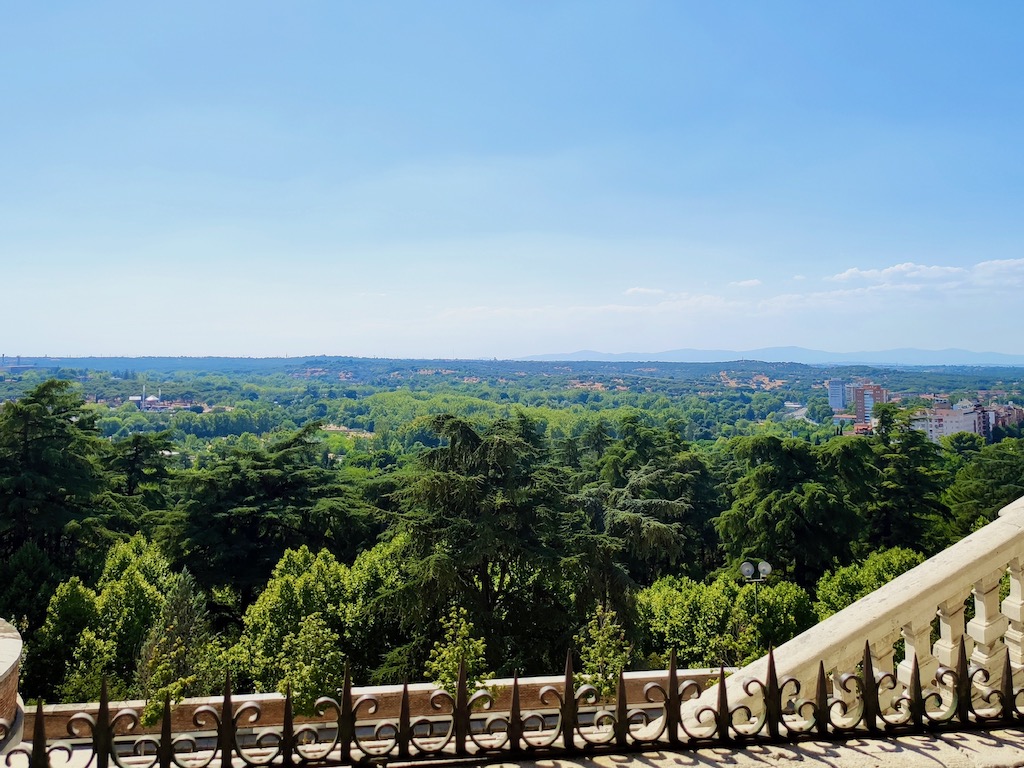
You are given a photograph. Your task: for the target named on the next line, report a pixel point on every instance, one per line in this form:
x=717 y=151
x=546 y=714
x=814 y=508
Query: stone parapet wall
x=906 y=609
x=10 y=658
x=388 y=700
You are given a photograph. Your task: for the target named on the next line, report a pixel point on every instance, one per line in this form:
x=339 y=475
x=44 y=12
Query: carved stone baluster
x=951 y=629
x=987 y=627
x=882 y=657
x=846 y=666
x=917 y=637
x=1013 y=610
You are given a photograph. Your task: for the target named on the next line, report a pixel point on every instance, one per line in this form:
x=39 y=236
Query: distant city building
x=967 y=416
x=837 y=394
x=1002 y=416
x=943 y=422
x=865 y=396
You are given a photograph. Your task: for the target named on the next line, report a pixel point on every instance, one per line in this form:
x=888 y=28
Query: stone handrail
x=10 y=659
x=388 y=699
x=906 y=608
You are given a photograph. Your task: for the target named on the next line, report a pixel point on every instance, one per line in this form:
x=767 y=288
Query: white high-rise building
x=837 y=394
x=942 y=422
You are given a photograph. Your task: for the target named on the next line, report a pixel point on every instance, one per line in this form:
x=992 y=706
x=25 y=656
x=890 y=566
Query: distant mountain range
x=896 y=357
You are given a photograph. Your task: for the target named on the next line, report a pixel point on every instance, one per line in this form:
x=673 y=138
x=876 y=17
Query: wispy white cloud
x=1001 y=273
x=645 y=292
x=745 y=283
x=998 y=275
x=669 y=319
x=900 y=272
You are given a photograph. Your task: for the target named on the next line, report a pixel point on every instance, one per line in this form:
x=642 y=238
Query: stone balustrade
x=931 y=596
x=918 y=623
x=387 y=697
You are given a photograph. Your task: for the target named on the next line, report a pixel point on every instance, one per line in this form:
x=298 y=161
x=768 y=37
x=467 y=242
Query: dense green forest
x=282 y=519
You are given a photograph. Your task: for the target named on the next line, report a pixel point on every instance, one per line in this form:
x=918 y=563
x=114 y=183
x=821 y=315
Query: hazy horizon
x=905 y=357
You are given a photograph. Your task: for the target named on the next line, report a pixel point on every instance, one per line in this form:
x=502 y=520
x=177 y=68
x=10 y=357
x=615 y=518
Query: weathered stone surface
x=10 y=657
x=995 y=749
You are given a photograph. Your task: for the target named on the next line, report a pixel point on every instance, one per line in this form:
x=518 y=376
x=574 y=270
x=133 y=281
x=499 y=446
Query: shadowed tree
x=484 y=513
x=49 y=470
x=905 y=508
x=789 y=507
x=991 y=481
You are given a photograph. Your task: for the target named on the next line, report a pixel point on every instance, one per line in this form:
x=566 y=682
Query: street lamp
x=762 y=570
x=748 y=570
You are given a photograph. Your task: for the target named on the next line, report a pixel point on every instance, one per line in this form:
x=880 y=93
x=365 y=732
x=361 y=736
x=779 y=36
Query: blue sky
x=485 y=179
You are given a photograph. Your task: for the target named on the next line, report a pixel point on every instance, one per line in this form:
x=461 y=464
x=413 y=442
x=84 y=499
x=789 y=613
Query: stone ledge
x=388 y=697
x=10 y=658
x=976 y=749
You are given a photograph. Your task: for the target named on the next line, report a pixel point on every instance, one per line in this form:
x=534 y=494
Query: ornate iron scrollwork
x=570 y=721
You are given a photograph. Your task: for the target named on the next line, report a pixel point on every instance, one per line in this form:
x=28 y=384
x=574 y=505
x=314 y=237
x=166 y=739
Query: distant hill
x=897 y=357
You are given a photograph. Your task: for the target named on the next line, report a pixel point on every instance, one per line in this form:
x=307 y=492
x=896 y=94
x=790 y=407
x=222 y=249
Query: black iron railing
x=571 y=721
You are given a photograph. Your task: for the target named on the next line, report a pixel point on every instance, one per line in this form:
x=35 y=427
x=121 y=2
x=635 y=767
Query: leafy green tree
x=993 y=479
x=638 y=444
x=844 y=586
x=303 y=585
x=780 y=611
x=663 y=516
x=458 y=646
x=140 y=467
x=29 y=577
x=819 y=411
x=694 y=619
x=373 y=631
x=93 y=662
x=351 y=604
x=960 y=448
x=658 y=522
x=484 y=513
x=596 y=437
x=238 y=517
x=604 y=652
x=788 y=504
x=180 y=656
x=721 y=623
x=71 y=611
x=905 y=508
x=131 y=594
x=312 y=663
x=49 y=470
x=595 y=562
x=111 y=624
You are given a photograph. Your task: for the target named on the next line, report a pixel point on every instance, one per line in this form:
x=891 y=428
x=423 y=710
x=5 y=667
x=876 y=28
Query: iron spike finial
x=822 y=711
x=621 y=712
x=288 y=728
x=1008 y=708
x=40 y=758
x=773 y=698
x=515 y=718
x=869 y=691
x=165 y=749
x=102 y=738
x=963 y=684
x=405 y=723
x=724 y=715
x=916 y=694
x=673 y=714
